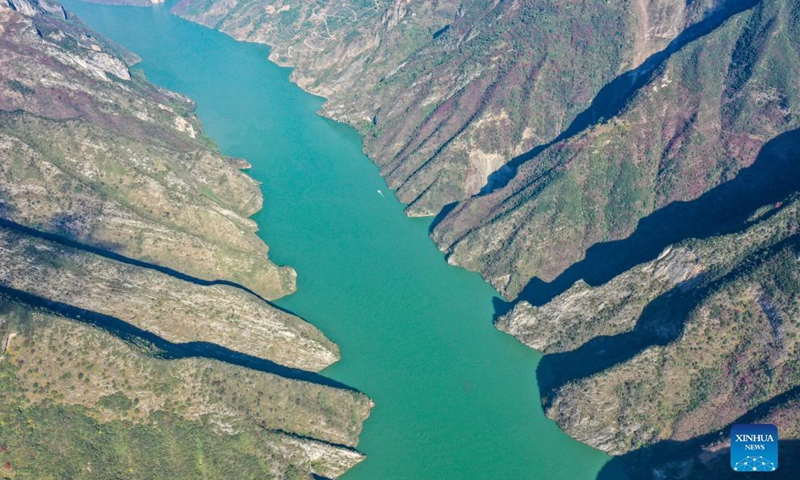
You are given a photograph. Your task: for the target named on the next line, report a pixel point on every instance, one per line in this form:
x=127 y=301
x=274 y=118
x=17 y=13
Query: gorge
x=625 y=177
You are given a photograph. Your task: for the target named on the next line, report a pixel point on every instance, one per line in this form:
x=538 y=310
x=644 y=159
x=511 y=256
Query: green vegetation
x=75 y=402
x=145 y=164
x=700 y=119
x=121 y=170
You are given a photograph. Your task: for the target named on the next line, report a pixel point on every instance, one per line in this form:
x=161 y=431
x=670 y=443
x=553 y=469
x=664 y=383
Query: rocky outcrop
x=116 y=163
x=658 y=22
x=177 y=310
x=707 y=337
x=583 y=312
x=214 y=418
x=134 y=312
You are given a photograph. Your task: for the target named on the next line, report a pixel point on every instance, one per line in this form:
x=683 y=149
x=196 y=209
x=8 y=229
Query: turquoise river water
x=455 y=398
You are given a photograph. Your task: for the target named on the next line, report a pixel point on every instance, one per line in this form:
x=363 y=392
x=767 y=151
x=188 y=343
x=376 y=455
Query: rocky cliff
x=676 y=347
x=448 y=92
x=690 y=118
x=136 y=335
x=79 y=402
x=114 y=162
x=625 y=174
x=497 y=112
x=177 y=310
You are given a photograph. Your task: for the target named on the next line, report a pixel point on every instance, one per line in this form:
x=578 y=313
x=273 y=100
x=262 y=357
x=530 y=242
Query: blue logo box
x=754 y=448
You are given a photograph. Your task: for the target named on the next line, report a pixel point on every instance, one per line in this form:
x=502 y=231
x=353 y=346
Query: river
x=455 y=398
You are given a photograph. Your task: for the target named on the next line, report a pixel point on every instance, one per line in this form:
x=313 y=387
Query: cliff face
x=677 y=347
x=583 y=312
x=447 y=92
x=176 y=310
x=114 y=162
x=688 y=120
x=77 y=401
x=626 y=174
x=544 y=127
x=133 y=319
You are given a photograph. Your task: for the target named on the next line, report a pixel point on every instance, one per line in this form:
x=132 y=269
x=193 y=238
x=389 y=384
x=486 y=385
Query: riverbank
x=455 y=398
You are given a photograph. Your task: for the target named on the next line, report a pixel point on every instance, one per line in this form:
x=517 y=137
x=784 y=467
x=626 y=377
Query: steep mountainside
x=689 y=119
x=509 y=108
x=676 y=347
x=177 y=310
x=626 y=174
x=447 y=92
x=77 y=402
x=707 y=457
x=112 y=161
x=135 y=338
x=707 y=339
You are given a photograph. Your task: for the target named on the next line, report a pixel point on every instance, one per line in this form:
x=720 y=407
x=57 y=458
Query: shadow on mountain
x=669 y=459
x=310 y=439
x=110 y=254
x=441 y=215
x=660 y=323
x=165 y=349
x=773 y=176
x=614 y=96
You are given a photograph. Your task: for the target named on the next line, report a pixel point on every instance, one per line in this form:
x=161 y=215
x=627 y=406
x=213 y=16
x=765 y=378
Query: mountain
x=625 y=175
x=473 y=108
x=675 y=347
x=690 y=118
x=136 y=333
x=447 y=92
x=79 y=402
x=107 y=159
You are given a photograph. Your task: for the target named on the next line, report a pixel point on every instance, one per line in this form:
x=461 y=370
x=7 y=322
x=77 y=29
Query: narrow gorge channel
x=455 y=398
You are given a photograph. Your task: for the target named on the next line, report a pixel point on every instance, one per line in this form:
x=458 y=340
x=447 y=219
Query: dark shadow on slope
x=307 y=438
x=440 y=216
x=667 y=456
x=165 y=349
x=773 y=176
x=67 y=242
x=670 y=460
x=614 y=96
x=501 y=307
x=660 y=323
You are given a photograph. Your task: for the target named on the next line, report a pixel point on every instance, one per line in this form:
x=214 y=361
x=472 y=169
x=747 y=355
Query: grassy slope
x=700 y=117
x=114 y=162
x=117 y=208
x=79 y=403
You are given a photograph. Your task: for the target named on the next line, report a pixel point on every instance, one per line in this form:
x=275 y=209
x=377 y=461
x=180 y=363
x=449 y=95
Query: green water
x=456 y=399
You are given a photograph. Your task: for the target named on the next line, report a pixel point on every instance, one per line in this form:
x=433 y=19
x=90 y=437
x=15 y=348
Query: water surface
x=456 y=399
